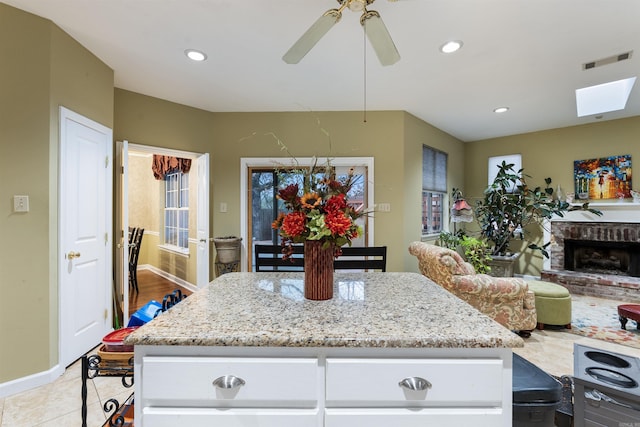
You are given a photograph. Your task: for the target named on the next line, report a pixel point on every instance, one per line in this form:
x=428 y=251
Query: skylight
x=604 y=98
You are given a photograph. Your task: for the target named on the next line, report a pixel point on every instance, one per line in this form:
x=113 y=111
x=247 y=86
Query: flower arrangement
x=319 y=211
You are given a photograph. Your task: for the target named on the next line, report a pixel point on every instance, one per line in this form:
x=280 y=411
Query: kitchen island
x=388 y=349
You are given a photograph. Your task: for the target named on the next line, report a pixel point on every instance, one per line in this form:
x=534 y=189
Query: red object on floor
x=629 y=311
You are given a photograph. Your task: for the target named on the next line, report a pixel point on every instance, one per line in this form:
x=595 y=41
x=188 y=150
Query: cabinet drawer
x=189 y=381
x=201 y=417
x=453 y=382
x=413 y=418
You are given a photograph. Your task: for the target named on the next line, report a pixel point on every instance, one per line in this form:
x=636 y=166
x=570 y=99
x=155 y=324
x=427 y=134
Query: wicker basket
x=114 y=360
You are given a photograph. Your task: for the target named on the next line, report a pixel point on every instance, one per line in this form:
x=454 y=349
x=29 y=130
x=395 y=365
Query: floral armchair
x=507 y=300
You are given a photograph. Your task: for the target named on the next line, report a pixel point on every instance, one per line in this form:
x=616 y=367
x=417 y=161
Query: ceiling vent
x=609 y=60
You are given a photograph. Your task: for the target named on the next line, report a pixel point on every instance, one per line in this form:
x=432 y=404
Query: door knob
x=72 y=255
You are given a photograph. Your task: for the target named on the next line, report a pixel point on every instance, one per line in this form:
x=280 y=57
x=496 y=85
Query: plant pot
x=318 y=270
x=227 y=249
x=503 y=265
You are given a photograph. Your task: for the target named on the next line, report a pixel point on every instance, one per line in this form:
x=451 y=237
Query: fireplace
x=600 y=259
x=590 y=256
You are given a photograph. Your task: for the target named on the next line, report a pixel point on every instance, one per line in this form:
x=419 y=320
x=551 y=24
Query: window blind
x=434 y=170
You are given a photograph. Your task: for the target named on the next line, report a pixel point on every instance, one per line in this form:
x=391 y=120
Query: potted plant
x=475 y=251
x=509 y=205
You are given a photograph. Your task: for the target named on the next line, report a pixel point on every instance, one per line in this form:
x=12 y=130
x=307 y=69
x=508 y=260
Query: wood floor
x=151 y=287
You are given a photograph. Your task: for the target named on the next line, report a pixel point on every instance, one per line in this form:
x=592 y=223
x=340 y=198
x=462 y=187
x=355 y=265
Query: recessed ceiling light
x=501 y=110
x=195 y=55
x=451 y=46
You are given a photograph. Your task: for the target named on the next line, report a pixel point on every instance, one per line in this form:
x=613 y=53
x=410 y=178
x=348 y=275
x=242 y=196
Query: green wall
x=42 y=68
x=393 y=138
x=551 y=154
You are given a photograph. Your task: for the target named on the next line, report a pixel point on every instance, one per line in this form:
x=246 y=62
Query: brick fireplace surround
x=618 y=287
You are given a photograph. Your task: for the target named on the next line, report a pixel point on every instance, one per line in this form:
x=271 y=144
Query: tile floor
x=59 y=404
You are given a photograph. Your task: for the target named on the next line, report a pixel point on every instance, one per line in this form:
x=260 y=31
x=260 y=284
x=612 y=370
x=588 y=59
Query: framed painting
x=603 y=178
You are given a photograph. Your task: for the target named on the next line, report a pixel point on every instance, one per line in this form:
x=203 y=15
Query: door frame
x=201 y=166
x=246 y=163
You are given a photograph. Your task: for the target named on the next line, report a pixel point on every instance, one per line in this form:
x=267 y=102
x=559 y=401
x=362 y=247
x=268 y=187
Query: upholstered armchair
x=507 y=300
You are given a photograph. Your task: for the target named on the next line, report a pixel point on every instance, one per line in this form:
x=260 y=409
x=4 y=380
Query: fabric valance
x=162 y=165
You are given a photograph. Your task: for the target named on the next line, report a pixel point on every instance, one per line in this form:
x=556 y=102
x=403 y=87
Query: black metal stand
x=93 y=366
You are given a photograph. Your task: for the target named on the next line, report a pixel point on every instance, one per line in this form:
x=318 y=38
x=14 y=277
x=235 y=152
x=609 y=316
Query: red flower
x=336 y=203
x=293 y=224
x=338 y=223
x=289 y=194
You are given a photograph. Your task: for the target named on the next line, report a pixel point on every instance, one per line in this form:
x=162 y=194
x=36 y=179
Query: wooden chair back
x=362 y=258
x=269 y=258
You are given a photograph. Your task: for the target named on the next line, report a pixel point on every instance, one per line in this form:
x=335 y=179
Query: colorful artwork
x=604 y=178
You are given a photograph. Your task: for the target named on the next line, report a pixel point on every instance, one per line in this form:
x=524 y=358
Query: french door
x=262 y=207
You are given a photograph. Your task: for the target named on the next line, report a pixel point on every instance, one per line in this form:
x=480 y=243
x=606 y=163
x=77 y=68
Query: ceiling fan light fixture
x=357 y=5
x=451 y=46
x=195 y=55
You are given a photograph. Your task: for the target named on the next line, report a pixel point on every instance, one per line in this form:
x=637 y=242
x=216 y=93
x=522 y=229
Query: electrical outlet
x=384 y=207
x=21 y=203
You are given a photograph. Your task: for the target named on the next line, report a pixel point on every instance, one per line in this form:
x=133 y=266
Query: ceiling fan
x=375 y=29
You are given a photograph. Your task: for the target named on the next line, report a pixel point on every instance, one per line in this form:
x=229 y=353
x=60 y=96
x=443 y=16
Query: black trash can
x=536 y=395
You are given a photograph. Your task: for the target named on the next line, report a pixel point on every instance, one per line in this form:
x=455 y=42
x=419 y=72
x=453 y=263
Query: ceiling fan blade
x=379 y=38
x=312 y=36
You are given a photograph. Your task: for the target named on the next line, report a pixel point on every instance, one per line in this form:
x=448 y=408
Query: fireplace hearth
x=600 y=259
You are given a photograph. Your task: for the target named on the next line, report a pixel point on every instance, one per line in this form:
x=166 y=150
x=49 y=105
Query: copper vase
x=318 y=270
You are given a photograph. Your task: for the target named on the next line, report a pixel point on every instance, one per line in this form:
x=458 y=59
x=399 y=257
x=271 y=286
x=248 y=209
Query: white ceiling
x=524 y=54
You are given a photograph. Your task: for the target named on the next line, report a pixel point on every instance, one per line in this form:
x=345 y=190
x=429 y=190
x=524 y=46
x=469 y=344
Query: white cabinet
x=322 y=387
x=204 y=417
x=371 y=417
x=449 y=382
x=209 y=382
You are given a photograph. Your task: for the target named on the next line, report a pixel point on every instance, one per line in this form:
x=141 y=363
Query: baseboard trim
x=30 y=381
x=168 y=276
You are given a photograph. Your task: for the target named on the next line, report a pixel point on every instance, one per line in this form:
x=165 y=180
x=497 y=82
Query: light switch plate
x=384 y=207
x=21 y=203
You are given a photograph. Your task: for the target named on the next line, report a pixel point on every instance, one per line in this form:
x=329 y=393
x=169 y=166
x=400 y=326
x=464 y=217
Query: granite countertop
x=392 y=310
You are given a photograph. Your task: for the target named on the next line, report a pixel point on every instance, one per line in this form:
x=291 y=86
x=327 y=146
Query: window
x=263 y=178
x=176 y=211
x=434 y=189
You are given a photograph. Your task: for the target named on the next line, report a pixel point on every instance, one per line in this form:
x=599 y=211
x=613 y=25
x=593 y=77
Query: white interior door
x=85 y=224
x=204 y=241
x=122 y=227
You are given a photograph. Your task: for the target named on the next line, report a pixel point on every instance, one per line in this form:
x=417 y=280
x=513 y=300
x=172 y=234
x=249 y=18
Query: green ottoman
x=553 y=303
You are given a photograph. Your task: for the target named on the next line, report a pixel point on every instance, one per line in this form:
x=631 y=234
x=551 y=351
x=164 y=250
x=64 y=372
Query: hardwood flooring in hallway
x=151 y=286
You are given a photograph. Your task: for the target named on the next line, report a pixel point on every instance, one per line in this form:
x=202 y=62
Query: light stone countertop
x=392 y=310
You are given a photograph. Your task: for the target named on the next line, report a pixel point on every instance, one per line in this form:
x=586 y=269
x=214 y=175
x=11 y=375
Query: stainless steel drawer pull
x=415 y=384
x=228 y=382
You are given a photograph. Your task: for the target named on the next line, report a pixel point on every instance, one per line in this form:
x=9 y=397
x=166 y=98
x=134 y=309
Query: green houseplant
x=475 y=251
x=509 y=205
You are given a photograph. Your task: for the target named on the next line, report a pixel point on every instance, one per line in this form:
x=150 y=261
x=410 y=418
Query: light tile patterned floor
x=59 y=404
